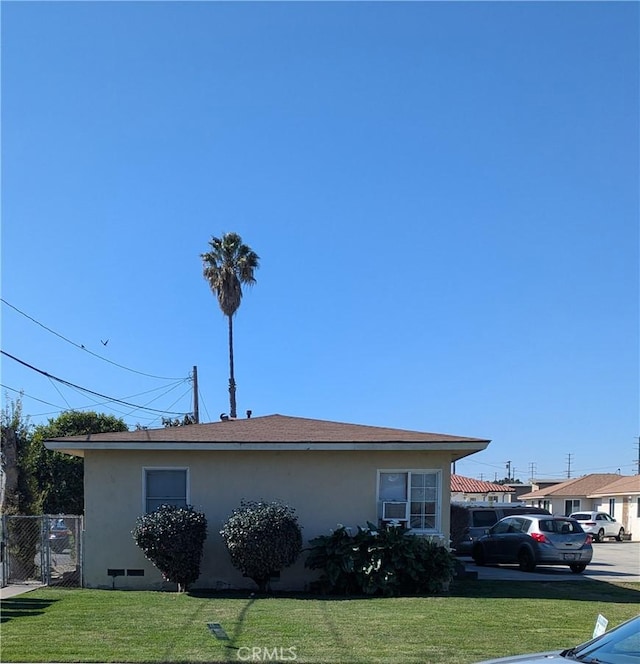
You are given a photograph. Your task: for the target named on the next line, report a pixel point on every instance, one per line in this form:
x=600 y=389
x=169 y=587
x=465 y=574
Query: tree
x=20 y=495
x=167 y=422
x=60 y=477
x=262 y=538
x=227 y=267
x=172 y=538
x=20 y=491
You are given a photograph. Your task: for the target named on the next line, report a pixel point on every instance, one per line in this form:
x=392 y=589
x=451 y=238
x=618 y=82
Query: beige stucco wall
x=324 y=487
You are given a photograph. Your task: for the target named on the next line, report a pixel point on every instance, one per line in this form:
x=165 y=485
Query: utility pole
x=196 y=409
x=569 y=466
x=638 y=462
x=508 y=470
x=532 y=470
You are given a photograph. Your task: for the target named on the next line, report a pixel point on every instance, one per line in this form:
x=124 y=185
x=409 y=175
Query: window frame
x=576 y=506
x=147 y=469
x=437 y=472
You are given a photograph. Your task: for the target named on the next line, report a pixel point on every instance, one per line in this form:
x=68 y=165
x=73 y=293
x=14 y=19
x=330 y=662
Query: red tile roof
x=460 y=484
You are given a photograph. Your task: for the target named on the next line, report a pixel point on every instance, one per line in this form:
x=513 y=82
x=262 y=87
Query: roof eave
x=458 y=450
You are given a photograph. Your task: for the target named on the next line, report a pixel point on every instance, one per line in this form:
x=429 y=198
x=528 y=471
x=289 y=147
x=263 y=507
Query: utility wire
x=47 y=403
x=81 y=347
x=84 y=389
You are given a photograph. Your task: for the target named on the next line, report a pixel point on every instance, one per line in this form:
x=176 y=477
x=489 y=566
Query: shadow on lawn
x=588 y=591
x=23 y=607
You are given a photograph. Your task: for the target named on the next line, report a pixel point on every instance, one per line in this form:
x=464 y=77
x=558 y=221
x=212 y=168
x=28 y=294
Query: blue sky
x=444 y=198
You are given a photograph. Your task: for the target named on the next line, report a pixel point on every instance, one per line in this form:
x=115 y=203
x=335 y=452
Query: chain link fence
x=42 y=550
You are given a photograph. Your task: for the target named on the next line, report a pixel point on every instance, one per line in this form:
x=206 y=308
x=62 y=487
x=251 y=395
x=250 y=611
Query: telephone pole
x=196 y=409
x=508 y=466
x=569 y=466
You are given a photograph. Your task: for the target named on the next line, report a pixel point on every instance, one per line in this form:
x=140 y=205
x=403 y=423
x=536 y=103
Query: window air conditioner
x=394 y=511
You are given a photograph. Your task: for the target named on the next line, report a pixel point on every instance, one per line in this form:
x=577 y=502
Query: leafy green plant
x=172 y=538
x=262 y=539
x=385 y=561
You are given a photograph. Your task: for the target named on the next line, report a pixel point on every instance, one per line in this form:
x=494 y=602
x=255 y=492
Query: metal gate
x=42 y=550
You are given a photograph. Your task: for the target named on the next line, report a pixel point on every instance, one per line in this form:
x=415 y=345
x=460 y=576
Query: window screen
x=165 y=487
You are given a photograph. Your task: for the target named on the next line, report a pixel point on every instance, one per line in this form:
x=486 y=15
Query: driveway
x=612 y=562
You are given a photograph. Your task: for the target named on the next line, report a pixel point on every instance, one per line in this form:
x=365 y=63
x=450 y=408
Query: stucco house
x=469 y=490
x=329 y=472
x=602 y=492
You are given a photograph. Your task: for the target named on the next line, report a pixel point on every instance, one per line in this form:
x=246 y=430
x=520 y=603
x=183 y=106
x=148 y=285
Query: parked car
x=59 y=535
x=621 y=645
x=533 y=540
x=600 y=525
x=470 y=521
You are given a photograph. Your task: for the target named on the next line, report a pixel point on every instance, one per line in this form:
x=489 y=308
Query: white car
x=599 y=524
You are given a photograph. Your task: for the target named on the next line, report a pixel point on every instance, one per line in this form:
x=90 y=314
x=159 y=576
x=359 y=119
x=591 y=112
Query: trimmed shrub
x=385 y=561
x=262 y=539
x=172 y=538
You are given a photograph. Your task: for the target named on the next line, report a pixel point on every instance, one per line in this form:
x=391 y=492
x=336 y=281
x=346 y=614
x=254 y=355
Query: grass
x=475 y=621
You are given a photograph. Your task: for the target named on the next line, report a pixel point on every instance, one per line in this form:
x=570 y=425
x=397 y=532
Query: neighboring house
x=331 y=473
x=603 y=492
x=534 y=485
x=621 y=500
x=468 y=490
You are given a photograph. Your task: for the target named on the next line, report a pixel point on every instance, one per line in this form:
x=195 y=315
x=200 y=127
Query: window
x=420 y=489
x=165 y=486
x=612 y=507
x=502 y=527
x=638 y=512
x=571 y=506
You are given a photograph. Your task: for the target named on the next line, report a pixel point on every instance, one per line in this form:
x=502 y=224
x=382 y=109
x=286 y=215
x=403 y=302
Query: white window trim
x=419 y=471
x=145 y=469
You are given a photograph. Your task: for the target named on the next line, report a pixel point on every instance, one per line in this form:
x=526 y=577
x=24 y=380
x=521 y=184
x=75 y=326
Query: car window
x=484 y=518
x=502 y=526
x=581 y=516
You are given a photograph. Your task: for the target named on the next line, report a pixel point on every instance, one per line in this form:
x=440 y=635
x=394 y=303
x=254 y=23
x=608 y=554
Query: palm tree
x=228 y=265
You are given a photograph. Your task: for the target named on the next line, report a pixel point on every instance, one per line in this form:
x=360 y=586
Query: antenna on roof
x=224 y=417
x=248 y=414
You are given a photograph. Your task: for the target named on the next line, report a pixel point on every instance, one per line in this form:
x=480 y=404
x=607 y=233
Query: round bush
x=172 y=538
x=262 y=539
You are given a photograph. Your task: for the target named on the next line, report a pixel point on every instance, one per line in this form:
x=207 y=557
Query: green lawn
x=476 y=620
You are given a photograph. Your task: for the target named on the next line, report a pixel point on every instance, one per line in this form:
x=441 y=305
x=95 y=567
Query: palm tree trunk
x=232 y=380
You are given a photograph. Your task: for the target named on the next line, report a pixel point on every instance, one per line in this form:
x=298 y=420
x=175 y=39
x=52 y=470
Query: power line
x=12 y=389
x=82 y=347
x=84 y=389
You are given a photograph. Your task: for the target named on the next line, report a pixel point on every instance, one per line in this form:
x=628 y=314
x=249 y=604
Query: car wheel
x=478 y=555
x=620 y=535
x=600 y=535
x=526 y=560
x=578 y=568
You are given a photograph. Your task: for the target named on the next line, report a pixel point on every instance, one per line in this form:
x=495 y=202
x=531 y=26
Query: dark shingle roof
x=272 y=429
